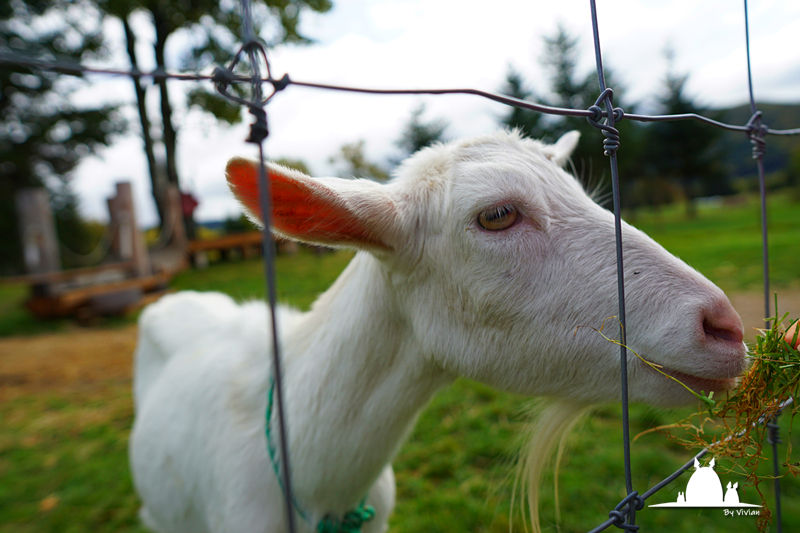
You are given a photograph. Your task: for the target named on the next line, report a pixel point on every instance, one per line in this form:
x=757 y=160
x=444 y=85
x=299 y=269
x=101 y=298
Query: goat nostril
x=732 y=333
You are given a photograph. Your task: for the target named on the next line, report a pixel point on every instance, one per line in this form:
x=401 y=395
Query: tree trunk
x=163 y=30
x=170 y=136
x=155 y=178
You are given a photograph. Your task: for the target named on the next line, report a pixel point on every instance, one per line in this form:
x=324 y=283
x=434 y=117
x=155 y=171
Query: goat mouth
x=701 y=384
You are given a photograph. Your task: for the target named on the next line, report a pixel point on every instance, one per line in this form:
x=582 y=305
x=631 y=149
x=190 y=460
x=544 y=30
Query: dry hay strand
x=736 y=427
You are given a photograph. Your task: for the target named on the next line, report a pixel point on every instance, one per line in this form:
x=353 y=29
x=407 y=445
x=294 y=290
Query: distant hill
x=738 y=149
x=215 y=225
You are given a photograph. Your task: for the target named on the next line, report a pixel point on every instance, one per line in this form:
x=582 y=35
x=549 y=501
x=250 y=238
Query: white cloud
x=449 y=43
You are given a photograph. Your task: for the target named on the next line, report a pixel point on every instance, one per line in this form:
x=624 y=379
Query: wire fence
x=602 y=115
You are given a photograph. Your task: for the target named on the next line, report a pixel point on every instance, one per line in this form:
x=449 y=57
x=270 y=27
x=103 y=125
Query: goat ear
x=327 y=211
x=559 y=152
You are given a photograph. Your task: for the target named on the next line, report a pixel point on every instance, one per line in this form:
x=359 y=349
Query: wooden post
x=37 y=231
x=114 y=224
x=175 y=224
x=129 y=243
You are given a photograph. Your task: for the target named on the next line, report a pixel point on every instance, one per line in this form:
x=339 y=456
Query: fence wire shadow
x=602 y=115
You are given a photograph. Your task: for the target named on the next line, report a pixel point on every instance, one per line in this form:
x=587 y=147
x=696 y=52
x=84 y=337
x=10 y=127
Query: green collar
x=350 y=522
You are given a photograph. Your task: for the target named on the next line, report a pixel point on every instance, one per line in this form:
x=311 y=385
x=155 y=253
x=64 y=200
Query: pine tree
x=528 y=122
x=560 y=60
x=568 y=88
x=686 y=152
x=417 y=134
x=355 y=164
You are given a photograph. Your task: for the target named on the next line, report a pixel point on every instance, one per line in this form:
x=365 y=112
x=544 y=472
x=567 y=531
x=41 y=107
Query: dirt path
x=73 y=359
x=751 y=308
x=86 y=357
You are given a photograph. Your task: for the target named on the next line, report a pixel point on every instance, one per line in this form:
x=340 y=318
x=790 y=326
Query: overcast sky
x=447 y=44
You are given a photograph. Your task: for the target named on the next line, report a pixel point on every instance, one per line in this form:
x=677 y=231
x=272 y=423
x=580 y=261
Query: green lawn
x=63 y=459
x=453 y=474
x=724 y=243
x=15 y=319
x=63 y=462
x=300 y=278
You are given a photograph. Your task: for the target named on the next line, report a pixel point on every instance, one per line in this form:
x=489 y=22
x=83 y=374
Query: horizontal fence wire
x=623 y=515
x=77 y=69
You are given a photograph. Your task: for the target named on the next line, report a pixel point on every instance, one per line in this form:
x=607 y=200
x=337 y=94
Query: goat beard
x=553 y=422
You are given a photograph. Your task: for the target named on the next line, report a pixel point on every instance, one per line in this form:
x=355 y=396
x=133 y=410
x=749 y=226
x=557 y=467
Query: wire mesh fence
x=250 y=69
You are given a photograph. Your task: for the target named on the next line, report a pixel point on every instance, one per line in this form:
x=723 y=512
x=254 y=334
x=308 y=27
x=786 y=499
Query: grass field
x=724 y=242
x=63 y=448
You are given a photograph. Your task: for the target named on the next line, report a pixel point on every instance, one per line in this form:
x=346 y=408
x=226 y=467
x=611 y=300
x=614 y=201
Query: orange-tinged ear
x=331 y=212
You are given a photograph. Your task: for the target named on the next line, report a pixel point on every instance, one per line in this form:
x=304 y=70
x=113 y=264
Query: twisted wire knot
x=756 y=132
x=258 y=129
x=774 y=435
x=759 y=143
x=222 y=78
x=611 y=142
x=249 y=53
x=619 y=521
x=280 y=84
x=628 y=506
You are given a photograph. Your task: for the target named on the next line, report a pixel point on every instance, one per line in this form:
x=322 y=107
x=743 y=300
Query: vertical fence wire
x=611 y=151
x=257 y=136
x=268 y=245
x=757 y=137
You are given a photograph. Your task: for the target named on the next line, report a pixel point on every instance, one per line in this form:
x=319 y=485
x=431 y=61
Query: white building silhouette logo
x=705 y=490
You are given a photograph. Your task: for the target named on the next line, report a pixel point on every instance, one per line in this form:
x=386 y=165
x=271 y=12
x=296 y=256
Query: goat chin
x=546 y=437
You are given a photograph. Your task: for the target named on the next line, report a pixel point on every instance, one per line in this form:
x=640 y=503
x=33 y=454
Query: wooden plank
x=45 y=307
x=67 y=302
x=75 y=297
x=66 y=275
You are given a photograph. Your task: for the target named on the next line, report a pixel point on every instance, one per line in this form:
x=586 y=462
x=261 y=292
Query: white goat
x=479 y=259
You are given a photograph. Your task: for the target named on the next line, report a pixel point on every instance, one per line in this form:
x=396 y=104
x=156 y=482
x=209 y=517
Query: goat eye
x=498 y=218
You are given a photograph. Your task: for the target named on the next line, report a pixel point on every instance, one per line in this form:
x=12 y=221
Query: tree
x=560 y=60
x=215 y=28
x=297 y=164
x=574 y=91
x=685 y=152
x=355 y=163
x=528 y=122
x=566 y=87
x=43 y=135
x=793 y=174
x=417 y=134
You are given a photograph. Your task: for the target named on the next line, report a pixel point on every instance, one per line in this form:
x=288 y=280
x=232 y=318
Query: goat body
x=479 y=259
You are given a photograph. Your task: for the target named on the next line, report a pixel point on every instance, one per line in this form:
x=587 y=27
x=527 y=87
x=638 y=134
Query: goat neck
x=357 y=384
